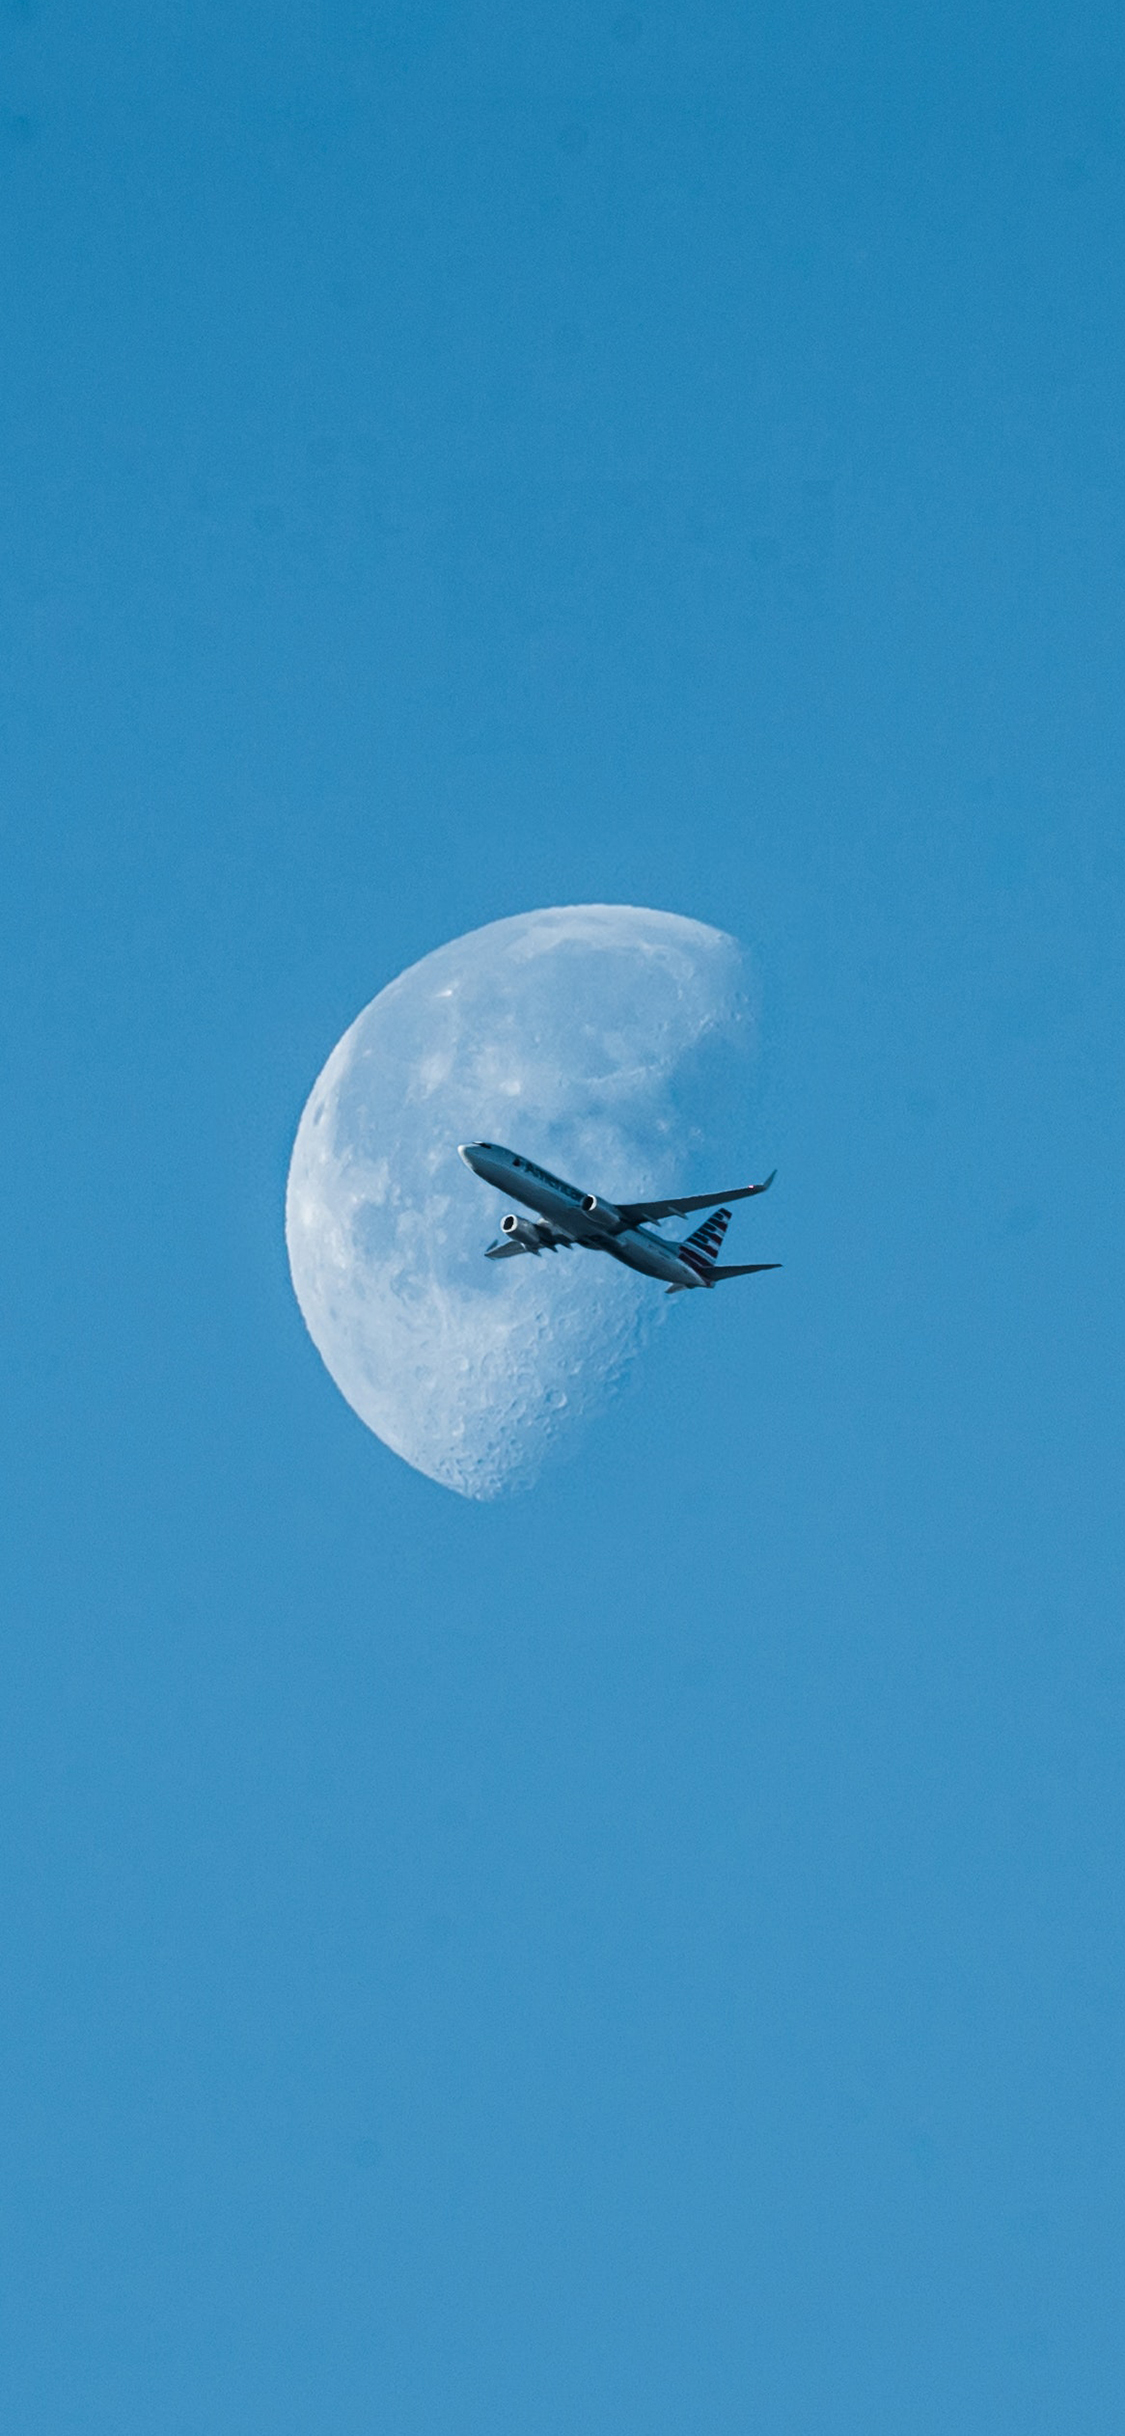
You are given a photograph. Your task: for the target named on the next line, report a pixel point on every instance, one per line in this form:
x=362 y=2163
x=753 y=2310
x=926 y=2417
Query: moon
x=609 y=1042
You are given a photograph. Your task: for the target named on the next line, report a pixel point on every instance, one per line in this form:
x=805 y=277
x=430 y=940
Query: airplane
x=567 y=1217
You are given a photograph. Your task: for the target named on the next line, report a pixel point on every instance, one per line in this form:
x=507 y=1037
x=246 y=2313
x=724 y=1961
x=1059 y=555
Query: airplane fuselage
x=580 y=1218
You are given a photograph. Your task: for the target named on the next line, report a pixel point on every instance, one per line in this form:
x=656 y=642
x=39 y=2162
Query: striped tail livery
x=702 y=1249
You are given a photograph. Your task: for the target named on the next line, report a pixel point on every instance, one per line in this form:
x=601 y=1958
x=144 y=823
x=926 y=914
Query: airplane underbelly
x=653 y=1259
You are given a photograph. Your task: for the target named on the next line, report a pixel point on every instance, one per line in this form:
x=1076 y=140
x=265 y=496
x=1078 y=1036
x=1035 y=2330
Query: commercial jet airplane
x=623 y=1228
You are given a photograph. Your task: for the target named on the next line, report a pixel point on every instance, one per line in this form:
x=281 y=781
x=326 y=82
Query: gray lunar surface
x=608 y=1042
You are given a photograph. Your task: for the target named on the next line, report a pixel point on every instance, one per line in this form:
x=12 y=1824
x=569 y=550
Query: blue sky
x=645 y=1958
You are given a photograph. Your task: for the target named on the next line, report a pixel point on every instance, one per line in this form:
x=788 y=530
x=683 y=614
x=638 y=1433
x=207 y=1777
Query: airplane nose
x=464 y=1152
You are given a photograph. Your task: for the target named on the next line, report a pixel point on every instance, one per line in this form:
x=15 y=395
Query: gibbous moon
x=607 y=1042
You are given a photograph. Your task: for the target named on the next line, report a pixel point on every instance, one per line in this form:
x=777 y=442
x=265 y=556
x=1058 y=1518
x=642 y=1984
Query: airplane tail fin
x=701 y=1250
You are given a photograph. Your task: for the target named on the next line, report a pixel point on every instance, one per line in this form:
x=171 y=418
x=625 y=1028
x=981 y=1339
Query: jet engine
x=521 y=1231
x=602 y=1212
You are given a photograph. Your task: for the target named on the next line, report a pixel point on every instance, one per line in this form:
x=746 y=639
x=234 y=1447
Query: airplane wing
x=635 y=1213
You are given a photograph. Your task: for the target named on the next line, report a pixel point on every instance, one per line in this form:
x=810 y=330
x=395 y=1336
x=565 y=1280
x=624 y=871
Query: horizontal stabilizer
x=637 y=1213
x=748 y=1268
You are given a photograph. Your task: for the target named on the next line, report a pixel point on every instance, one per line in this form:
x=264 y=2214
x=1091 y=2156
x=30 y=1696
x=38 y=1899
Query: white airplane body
x=566 y=1217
